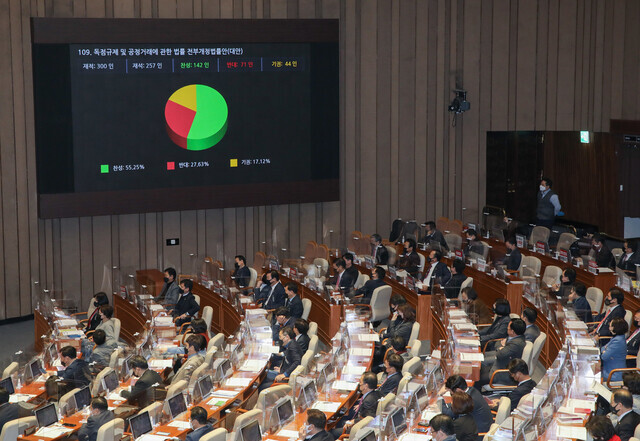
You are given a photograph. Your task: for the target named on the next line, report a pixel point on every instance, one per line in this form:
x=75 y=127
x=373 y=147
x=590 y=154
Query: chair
x=258 y=261
x=359 y=425
x=252 y=281
x=199 y=372
x=294 y=376
x=306 y=308
x=12 y=429
x=467 y=282
x=552 y=275
x=539 y=234
x=11 y=369
x=565 y=241
x=485 y=250
x=628 y=316
x=207 y=316
x=454 y=241
x=197 y=298
x=595 y=297
x=392 y=255
x=177 y=388
x=422 y=262
x=442 y=224
x=320 y=266
x=614 y=384
x=154 y=409
x=313 y=344
x=504 y=410
x=456 y=227
x=617 y=254
x=538 y=344
x=636 y=433
x=217 y=341
x=116 y=328
x=362 y=279
x=268 y=397
x=216 y=435
x=415 y=330
x=63 y=402
x=404 y=383
x=244 y=419
x=97 y=383
x=384 y=403
x=209 y=355
x=313 y=329
x=115 y=356
x=492 y=430
x=530 y=266
x=415 y=348
x=306 y=359
x=413 y=366
x=380 y=303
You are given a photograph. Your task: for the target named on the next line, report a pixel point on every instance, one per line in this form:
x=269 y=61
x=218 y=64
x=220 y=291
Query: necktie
x=605 y=317
x=338 y=281
x=633 y=335
x=359 y=404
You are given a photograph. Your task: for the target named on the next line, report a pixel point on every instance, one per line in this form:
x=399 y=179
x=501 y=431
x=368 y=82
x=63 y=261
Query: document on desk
x=252 y=366
x=457 y=313
x=575 y=325
x=574 y=432
x=160 y=363
x=52 y=431
x=288 y=434
x=414 y=437
x=581 y=406
x=465 y=326
x=353 y=370
x=468 y=342
x=163 y=321
x=154 y=307
x=326 y=406
x=263 y=336
x=256 y=311
x=471 y=356
x=268 y=349
x=360 y=352
x=183 y=425
x=344 y=385
x=238 y=382
x=356 y=324
x=19 y=398
x=368 y=337
x=149 y=437
x=598 y=388
x=66 y=323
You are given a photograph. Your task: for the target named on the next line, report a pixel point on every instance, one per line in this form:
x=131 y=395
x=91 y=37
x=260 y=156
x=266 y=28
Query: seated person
x=498 y=328
x=481 y=412
x=633 y=342
x=581 y=306
x=241 y=274
x=366 y=406
x=393 y=367
x=276 y=295
x=186 y=308
x=433 y=235
x=529 y=315
x=291 y=359
x=76 y=371
x=199 y=326
x=631 y=382
x=473 y=244
x=101 y=354
x=283 y=319
x=94 y=319
x=600 y=252
x=452 y=286
x=567 y=280
x=199 y=423
x=613 y=301
x=341 y=280
x=442 y=428
x=464 y=426
x=147 y=378
x=519 y=372
x=366 y=291
x=107 y=324
x=622 y=406
x=513 y=257
x=510 y=347
x=301 y=328
x=293 y=302
x=438 y=273
x=314 y=429
x=601 y=429
x=350 y=268
x=409 y=260
x=614 y=353
x=399 y=347
x=262 y=290
x=394 y=303
x=8 y=411
x=100 y=415
x=474 y=307
x=170 y=290
x=630 y=258
x=379 y=252
x=194 y=343
x=402 y=325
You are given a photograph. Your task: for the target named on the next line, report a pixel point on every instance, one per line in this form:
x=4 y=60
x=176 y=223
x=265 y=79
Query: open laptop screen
x=7 y=383
x=140 y=424
x=177 y=405
x=251 y=432
x=46 y=415
x=83 y=397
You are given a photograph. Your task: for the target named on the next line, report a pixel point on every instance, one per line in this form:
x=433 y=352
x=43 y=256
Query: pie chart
x=196 y=117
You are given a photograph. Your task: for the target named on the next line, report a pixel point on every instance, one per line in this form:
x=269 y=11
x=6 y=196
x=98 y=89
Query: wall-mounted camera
x=459 y=103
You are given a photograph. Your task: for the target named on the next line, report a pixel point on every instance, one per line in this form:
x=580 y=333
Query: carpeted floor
x=15 y=337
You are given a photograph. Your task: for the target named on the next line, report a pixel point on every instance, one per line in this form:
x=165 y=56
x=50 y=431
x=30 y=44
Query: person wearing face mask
x=409 y=261
x=100 y=415
x=442 y=428
x=76 y=371
x=529 y=315
x=481 y=413
x=147 y=378
x=581 y=306
x=241 y=274
x=276 y=296
x=622 y=407
x=194 y=343
x=510 y=347
x=613 y=301
x=567 y=279
x=403 y=325
x=498 y=329
x=187 y=307
x=261 y=290
x=633 y=342
x=473 y=244
x=363 y=295
x=477 y=310
x=199 y=424
x=170 y=290
x=600 y=252
x=514 y=256
x=452 y=286
x=630 y=258
x=350 y=268
x=107 y=324
x=314 y=429
x=292 y=356
x=439 y=273
x=614 y=353
x=379 y=252
x=366 y=406
x=94 y=318
x=548 y=204
x=432 y=234
x=519 y=372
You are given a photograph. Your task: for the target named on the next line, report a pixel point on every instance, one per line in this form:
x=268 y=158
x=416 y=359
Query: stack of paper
x=326 y=406
x=163 y=321
x=468 y=342
x=52 y=431
x=353 y=370
x=471 y=356
x=67 y=323
x=252 y=366
x=238 y=382
x=360 y=352
x=344 y=385
x=183 y=425
x=368 y=337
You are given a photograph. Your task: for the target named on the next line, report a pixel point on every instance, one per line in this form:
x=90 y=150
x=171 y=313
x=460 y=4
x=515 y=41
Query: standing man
x=100 y=415
x=548 y=204
x=241 y=273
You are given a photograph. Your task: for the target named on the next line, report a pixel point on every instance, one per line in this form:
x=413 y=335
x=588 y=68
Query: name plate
x=411 y=283
x=520 y=241
x=293 y=273
x=459 y=255
x=368 y=261
x=593 y=267
x=540 y=247
x=563 y=255
x=482 y=265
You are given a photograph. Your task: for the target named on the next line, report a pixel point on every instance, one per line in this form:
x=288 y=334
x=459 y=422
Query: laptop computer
x=82 y=398
x=36 y=368
x=125 y=372
x=177 y=405
x=46 y=415
x=110 y=381
x=140 y=424
x=284 y=410
x=7 y=383
x=251 y=432
x=398 y=421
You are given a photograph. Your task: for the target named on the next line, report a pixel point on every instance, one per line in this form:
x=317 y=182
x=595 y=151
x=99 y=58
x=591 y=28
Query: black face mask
x=236 y=265
x=181 y=291
x=96 y=304
x=607 y=302
x=406 y=250
x=636 y=323
x=166 y=280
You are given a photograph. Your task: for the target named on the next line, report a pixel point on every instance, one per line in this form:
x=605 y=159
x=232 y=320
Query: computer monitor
x=125 y=372
x=284 y=409
x=398 y=420
x=83 y=398
x=110 y=381
x=309 y=393
x=52 y=352
x=177 y=405
x=204 y=386
x=223 y=369
x=421 y=397
x=7 y=383
x=36 y=368
x=251 y=432
x=140 y=424
x=46 y=415
x=368 y=434
x=325 y=376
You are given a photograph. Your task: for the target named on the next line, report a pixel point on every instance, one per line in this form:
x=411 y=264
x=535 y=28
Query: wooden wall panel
x=527 y=65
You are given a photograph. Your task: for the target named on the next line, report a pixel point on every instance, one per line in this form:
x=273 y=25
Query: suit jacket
x=292 y=358
x=603 y=329
x=513 y=259
x=369 y=405
x=629 y=263
x=381 y=255
x=146 y=381
x=390 y=385
x=353 y=273
x=94 y=320
x=474 y=246
x=275 y=297
x=399 y=327
x=512 y=349
x=187 y=368
x=295 y=306
x=346 y=281
x=498 y=329
x=614 y=356
x=303 y=341
x=531 y=333
x=109 y=328
x=520 y=391
x=452 y=287
x=465 y=428
x=436 y=236
x=170 y=293
x=186 y=305
x=582 y=308
x=633 y=344
x=410 y=263
x=367 y=290
x=481 y=411
x=321 y=436
x=242 y=276
x=89 y=430
x=627 y=426
x=77 y=373
x=276 y=327
x=101 y=355
x=440 y=275
x=8 y=412
x=604 y=257
x=261 y=293
x=199 y=432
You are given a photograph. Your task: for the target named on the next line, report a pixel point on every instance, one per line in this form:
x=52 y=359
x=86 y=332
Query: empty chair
x=456 y=227
x=177 y=388
x=243 y=420
x=294 y=376
x=385 y=403
x=353 y=244
x=313 y=329
x=565 y=241
x=199 y=372
x=552 y=275
x=538 y=344
x=115 y=356
x=306 y=308
x=415 y=331
x=116 y=328
x=258 y=261
x=359 y=425
x=268 y=397
x=628 y=315
x=442 y=224
x=207 y=316
x=467 y=282
x=97 y=383
x=392 y=254
x=413 y=366
x=11 y=369
x=154 y=409
x=215 y=435
x=64 y=400
x=12 y=429
x=531 y=266
x=539 y=234
x=454 y=241
x=595 y=297
x=422 y=262
x=217 y=341
x=380 y=303
x=415 y=348
x=504 y=410
x=404 y=383
x=313 y=344
x=252 y=281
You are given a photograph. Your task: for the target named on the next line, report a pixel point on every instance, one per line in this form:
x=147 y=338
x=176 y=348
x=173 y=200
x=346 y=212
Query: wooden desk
x=41 y=327
x=131 y=319
x=226 y=318
x=153 y=279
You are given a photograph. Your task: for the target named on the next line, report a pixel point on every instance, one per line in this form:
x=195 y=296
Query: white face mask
x=543 y=188
x=307 y=429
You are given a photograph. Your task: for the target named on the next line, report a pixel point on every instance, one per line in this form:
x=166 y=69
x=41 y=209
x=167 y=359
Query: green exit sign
x=584 y=136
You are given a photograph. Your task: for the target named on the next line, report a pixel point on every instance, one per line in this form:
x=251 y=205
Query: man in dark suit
x=519 y=372
x=301 y=328
x=452 y=286
x=513 y=256
x=481 y=412
x=622 y=406
x=276 y=296
x=100 y=415
x=8 y=411
x=379 y=252
x=433 y=235
x=409 y=260
x=315 y=427
x=342 y=280
x=187 y=307
x=393 y=366
x=630 y=258
x=366 y=406
x=581 y=305
x=498 y=328
x=199 y=423
x=293 y=302
x=350 y=268
x=291 y=359
x=147 y=378
x=511 y=347
x=283 y=319
x=170 y=290
x=613 y=301
x=568 y=278
x=241 y=274
x=529 y=315
x=438 y=273
x=377 y=280
x=633 y=342
x=600 y=252
x=473 y=244
x=77 y=372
